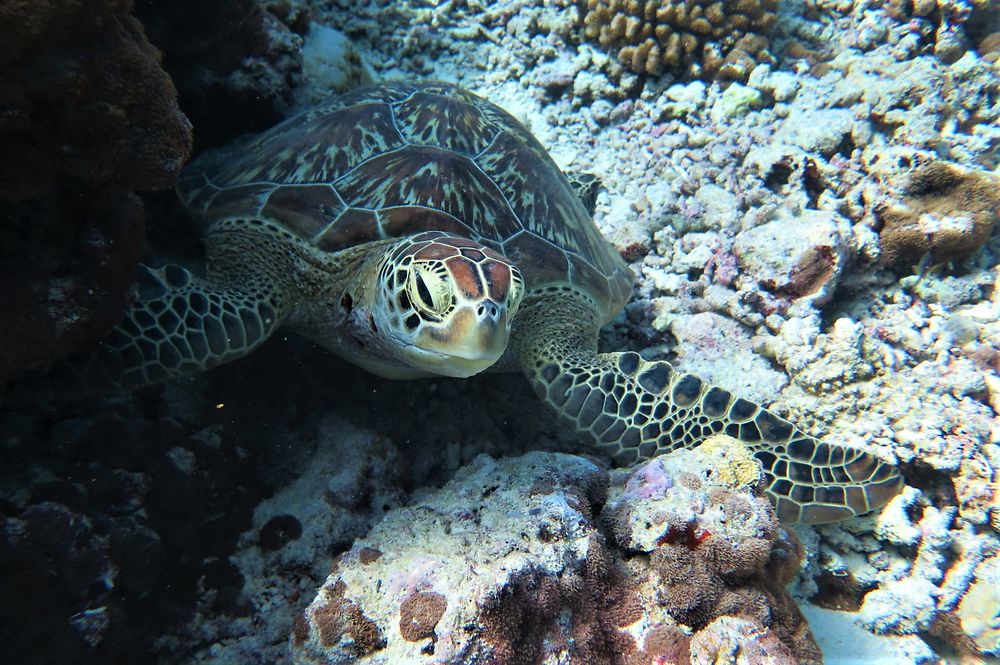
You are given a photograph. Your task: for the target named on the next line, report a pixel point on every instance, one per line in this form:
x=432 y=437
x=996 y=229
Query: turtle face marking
x=447 y=303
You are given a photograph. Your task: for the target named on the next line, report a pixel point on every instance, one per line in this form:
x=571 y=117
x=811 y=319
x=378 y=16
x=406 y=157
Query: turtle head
x=446 y=303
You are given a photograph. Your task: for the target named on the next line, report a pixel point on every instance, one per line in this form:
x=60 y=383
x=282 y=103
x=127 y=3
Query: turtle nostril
x=488 y=310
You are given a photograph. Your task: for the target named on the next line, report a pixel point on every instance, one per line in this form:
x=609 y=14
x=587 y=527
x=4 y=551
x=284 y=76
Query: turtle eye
x=515 y=292
x=428 y=290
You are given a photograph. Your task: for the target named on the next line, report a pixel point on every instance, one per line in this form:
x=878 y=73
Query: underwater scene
x=530 y=332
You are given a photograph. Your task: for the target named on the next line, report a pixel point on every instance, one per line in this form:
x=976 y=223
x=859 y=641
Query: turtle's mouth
x=460 y=364
x=470 y=340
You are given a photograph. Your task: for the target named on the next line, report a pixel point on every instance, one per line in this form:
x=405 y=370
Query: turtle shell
x=395 y=159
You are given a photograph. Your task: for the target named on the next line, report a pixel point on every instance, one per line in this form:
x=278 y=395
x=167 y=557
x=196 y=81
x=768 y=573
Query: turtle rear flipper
x=586 y=186
x=636 y=409
x=179 y=324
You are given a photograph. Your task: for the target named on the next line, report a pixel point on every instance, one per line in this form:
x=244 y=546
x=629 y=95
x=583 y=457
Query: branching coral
x=724 y=38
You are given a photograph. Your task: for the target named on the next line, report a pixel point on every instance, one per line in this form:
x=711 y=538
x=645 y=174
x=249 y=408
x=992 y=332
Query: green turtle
x=419 y=230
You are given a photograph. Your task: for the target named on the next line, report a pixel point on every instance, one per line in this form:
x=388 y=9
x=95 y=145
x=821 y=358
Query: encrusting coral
x=84 y=96
x=947 y=211
x=724 y=39
x=508 y=563
x=88 y=117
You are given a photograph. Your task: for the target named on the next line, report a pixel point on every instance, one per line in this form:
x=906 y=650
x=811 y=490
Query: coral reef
x=235 y=63
x=507 y=563
x=522 y=526
x=85 y=97
x=704 y=543
x=726 y=39
x=96 y=563
x=48 y=549
x=67 y=266
x=165 y=489
x=89 y=116
x=945 y=27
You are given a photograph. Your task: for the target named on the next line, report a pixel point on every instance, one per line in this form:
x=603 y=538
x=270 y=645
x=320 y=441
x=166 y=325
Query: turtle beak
x=474 y=339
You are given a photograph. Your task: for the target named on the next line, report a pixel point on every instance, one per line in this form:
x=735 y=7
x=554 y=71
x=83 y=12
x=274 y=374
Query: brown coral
x=340 y=617
x=88 y=117
x=419 y=615
x=84 y=95
x=665 y=643
x=947 y=211
x=724 y=39
x=601 y=599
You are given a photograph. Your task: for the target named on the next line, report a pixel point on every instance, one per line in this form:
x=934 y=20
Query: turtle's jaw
x=453 y=366
x=472 y=340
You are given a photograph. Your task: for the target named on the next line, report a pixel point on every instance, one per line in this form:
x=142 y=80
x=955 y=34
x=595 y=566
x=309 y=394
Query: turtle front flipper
x=636 y=409
x=178 y=324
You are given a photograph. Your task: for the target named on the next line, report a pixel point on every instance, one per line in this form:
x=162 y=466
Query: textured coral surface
x=88 y=117
x=84 y=96
x=509 y=563
x=726 y=38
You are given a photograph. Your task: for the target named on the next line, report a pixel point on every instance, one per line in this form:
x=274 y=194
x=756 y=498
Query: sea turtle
x=416 y=229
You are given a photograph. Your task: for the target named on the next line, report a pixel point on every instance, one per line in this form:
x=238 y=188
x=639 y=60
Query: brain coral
x=725 y=38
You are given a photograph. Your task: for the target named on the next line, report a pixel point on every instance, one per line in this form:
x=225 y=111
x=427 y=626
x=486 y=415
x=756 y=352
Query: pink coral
x=649 y=481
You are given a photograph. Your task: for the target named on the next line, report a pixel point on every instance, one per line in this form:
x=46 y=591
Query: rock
x=720 y=350
x=719 y=205
x=976 y=489
x=56 y=549
x=684 y=98
x=820 y=131
x=903 y=607
x=89 y=116
x=506 y=563
x=235 y=63
x=844 y=641
x=69 y=290
x=330 y=65
x=500 y=549
x=738 y=641
x=979 y=610
x=689 y=496
x=796 y=256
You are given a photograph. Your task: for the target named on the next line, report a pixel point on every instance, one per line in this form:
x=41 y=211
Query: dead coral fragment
x=724 y=39
x=947 y=211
